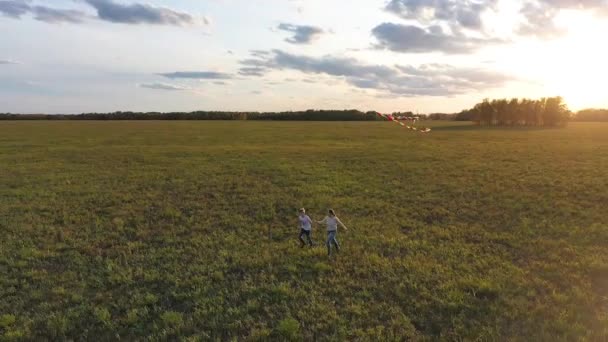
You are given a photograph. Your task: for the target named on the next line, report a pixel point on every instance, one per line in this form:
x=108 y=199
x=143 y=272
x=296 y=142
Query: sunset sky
x=72 y=56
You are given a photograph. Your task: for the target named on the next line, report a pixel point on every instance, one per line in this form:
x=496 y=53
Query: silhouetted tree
x=502 y=112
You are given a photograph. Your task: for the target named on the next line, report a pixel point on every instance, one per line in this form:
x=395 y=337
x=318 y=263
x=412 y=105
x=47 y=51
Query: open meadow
x=167 y=230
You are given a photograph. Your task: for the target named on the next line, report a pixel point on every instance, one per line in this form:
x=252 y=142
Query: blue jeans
x=331 y=239
x=306 y=233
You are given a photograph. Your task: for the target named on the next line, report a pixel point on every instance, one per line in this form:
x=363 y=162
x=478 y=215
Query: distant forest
x=501 y=112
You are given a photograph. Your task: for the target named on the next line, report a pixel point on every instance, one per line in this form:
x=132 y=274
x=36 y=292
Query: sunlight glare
x=579 y=70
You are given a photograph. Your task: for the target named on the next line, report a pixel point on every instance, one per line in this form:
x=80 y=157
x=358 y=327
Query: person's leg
x=308 y=235
x=328 y=243
x=335 y=242
x=302 y=233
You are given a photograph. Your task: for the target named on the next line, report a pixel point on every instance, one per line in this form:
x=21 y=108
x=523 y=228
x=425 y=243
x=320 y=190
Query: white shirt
x=305 y=222
x=331 y=222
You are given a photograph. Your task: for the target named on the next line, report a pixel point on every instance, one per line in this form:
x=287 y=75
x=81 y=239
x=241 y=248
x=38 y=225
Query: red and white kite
x=390 y=117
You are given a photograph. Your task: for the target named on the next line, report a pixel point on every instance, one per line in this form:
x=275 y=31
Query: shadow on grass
x=492 y=128
x=457 y=128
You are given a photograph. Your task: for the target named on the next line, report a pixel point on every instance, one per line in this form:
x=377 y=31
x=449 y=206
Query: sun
x=572 y=66
x=576 y=66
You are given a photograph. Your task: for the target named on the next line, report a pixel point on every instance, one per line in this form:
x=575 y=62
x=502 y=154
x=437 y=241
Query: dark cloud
x=427 y=80
x=53 y=16
x=109 y=10
x=200 y=75
x=162 y=86
x=462 y=13
x=14 y=8
x=302 y=34
x=409 y=38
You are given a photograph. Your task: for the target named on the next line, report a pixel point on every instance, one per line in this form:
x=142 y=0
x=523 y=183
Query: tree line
x=550 y=111
x=592 y=115
x=308 y=115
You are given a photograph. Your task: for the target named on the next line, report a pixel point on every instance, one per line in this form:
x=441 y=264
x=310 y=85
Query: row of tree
x=309 y=115
x=586 y=115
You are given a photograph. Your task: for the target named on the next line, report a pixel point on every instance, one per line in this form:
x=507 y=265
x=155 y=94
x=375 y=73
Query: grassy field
x=162 y=230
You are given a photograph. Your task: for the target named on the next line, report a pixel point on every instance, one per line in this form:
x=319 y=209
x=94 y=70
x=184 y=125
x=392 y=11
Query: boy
x=305 y=227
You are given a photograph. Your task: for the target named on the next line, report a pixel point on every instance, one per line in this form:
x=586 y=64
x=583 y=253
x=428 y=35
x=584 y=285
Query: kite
x=390 y=117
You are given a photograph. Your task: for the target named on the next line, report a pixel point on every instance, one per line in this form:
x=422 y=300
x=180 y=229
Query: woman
x=305 y=227
x=332 y=221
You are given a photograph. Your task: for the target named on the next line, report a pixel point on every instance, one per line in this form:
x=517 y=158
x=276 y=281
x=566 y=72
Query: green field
x=166 y=230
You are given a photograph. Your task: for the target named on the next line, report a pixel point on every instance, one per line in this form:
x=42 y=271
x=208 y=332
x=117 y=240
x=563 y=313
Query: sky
x=74 y=56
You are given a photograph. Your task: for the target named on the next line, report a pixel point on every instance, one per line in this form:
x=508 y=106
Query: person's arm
x=340 y=222
x=310 y=220
x=323 y=220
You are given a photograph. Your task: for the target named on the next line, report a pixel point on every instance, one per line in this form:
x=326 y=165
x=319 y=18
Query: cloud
x=109 y=10
x=575 y=4
x=259 y=53
x=8 y=61
x=539 y=16
x=460 y=13
x=14 y=8
x=162 y=86
x=199 y=75
x=409 y=38
x=539 y=21
x=278 y=59
x=53 y=16
x=424 y=80
x=302 y=34
x=252 y=71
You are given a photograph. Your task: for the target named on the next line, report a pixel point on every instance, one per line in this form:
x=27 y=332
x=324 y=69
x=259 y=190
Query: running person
x=305 y=227
x=332 y=221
